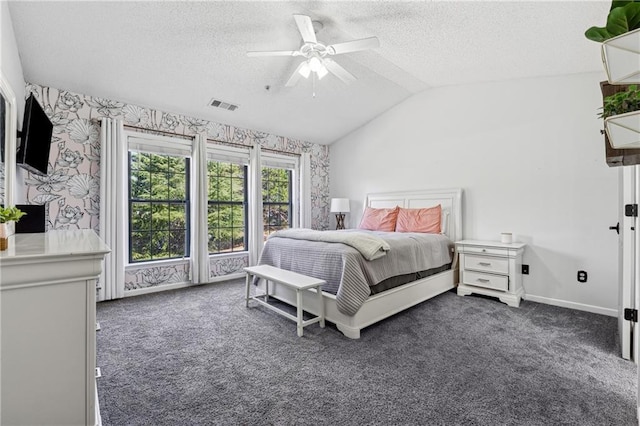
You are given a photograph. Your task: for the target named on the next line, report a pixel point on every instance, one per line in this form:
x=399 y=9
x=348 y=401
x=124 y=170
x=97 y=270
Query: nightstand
x=491 y=268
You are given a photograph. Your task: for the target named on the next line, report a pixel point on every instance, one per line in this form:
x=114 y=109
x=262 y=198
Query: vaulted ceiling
x=177 y=56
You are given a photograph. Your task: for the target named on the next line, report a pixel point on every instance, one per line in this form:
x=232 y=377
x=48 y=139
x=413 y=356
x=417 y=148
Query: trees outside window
x=158 y=206
x=159 y=202
x=277 y=204
x=227 y=207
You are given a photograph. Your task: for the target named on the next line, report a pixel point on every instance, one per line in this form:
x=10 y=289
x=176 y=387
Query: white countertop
x=54 y=244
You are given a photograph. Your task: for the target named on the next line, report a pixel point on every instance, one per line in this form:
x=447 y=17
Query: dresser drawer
x=479 y=279
x=496 y=265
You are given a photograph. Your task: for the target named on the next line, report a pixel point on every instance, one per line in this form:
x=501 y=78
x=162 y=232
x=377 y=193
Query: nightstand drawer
x=494 y=265
x=478 y=279
x=485 y=250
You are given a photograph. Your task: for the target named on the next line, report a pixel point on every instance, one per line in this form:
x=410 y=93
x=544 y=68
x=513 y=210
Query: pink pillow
x=420 y=220
x=379 y=219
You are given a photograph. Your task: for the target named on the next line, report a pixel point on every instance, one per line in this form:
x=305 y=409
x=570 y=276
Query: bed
x=372 y=308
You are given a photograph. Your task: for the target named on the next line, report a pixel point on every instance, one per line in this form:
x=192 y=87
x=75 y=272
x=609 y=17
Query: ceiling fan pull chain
x=313 y=82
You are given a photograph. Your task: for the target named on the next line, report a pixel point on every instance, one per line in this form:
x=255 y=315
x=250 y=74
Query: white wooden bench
x=293 y=280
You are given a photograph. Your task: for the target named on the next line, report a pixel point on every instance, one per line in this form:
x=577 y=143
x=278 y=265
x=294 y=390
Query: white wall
x=530 y=159
x=12 y=70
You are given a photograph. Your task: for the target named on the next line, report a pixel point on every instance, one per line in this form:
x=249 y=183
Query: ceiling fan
x=316 y=54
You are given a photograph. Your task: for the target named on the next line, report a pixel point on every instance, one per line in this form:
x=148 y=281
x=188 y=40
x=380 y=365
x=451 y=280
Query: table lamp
x=340 y=206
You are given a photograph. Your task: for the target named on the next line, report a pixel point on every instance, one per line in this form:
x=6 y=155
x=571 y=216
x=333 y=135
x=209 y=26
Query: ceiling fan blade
x=274 y=53
x=353 y=46
x=295 y=76
x=338 y=71
x=306 y=28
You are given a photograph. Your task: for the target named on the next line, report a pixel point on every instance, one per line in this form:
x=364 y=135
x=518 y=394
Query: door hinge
x=631 y=210
x=631 y=314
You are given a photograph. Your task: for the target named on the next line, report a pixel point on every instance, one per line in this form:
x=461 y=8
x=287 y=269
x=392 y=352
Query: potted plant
x=620 y=40
x=621 y=114
x=621 y=102
x=8 y=214
x=624 y=16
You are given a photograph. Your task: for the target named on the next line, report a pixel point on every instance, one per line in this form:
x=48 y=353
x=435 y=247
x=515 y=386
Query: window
x=158 y=206
x=227 y=207
x=192 y=200
x=277 y=205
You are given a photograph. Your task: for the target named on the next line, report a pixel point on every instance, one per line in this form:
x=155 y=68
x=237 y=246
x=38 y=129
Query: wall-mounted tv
x=35 y=138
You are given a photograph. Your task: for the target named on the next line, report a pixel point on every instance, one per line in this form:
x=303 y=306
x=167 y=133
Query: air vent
x=222 y=104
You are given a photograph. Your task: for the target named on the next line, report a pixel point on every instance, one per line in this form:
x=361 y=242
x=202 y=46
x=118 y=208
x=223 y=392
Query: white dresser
x=491 y=268
x=48 y=326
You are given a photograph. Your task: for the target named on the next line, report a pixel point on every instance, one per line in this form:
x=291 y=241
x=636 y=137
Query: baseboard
x=572 y=305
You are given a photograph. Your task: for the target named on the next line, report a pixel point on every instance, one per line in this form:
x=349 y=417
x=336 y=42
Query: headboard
x=450 y=200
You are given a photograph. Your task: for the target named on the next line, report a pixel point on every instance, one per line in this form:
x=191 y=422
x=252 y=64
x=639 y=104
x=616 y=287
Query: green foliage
x=159 y=201
x=8 y=214
x=624 y=16
x=159 y=189
x=622 y=102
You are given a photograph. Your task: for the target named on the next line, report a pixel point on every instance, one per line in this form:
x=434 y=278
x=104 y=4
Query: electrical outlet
x=582 y=276
x=525 y=269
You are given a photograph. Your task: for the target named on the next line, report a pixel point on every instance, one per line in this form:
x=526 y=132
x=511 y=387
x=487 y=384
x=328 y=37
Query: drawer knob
x=484 y=250
x=483 y=280
x=484 y=263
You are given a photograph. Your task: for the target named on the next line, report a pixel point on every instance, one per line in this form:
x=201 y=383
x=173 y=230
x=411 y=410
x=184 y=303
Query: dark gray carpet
x=197 y=356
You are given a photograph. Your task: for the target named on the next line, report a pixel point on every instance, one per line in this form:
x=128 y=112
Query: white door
x=628 y=277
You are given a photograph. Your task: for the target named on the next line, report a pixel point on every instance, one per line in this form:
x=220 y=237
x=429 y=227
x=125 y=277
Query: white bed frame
x=390 y=302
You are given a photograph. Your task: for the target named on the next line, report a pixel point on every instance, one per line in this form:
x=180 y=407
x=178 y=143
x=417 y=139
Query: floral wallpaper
x=136 y=278
x=219 y=267
x=71 y=189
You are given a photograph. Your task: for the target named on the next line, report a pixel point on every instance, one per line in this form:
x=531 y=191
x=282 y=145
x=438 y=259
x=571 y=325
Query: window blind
x=228 y=154
x=269 y=159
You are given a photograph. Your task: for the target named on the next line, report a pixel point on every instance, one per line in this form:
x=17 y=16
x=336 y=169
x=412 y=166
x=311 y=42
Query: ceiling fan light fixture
x=305 y=70
x=315 y=64
x=322 y=71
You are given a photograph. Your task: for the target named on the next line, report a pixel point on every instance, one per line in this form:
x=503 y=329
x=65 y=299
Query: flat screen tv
x=35 y=138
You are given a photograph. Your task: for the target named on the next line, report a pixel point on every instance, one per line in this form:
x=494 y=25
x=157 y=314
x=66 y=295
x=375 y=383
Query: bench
x=293 y=280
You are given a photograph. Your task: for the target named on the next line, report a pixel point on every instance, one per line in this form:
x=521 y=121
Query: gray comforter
x=347 y=273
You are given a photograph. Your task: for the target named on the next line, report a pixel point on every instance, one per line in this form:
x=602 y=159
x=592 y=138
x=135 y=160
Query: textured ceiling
x=177 y=56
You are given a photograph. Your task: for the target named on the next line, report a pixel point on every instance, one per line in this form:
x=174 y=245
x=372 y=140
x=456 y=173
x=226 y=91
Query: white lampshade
x=305 y=70
x=322 y=71
x=315 y=64
x=339 y=205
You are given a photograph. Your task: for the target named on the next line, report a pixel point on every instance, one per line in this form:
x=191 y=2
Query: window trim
x=290 y=205
x=289 y=162
x=244 y=203
x=159 y=145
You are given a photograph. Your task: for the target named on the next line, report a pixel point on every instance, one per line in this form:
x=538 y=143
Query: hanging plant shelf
x=621 y=58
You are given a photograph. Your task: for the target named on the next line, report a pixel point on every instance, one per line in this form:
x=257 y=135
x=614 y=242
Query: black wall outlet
x=525 y=269
x=582 y=276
